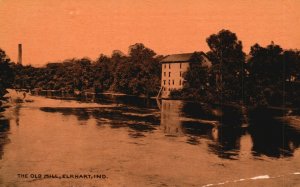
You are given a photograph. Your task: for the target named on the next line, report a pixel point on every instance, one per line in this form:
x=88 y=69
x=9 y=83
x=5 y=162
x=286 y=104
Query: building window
x=164 y=82
x=180 y=82
x=180 y=65
x=173 y=82
x=169 y=66
x=180 y=74
x=169 y=82
x=169 y=89
x=165 y=66
x=164 y=73
x=169 y=74
x=164 y=89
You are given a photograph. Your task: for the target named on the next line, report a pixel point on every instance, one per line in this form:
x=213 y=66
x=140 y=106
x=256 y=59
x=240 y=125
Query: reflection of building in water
x=176 y=119
x=170 y=117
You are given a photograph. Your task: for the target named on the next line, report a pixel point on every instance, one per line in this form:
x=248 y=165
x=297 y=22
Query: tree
x=292 y=64
x=269 y=70
x=139 y=74
x=6 y=73
x=228 y=59
x=196 y=84
x=138 y=53
x=266 y=74
x=104 y=73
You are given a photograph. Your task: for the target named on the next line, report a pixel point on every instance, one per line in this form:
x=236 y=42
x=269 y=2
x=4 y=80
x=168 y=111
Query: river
x=129 y=141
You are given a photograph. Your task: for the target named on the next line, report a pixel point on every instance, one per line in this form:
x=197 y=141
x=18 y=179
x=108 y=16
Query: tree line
x=137 y=73
x=267 y=76
x=6 y=74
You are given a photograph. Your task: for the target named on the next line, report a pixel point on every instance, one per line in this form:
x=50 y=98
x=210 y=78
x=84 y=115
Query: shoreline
x=277 y=109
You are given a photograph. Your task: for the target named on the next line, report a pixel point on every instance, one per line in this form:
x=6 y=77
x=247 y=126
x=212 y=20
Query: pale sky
x=54 y=30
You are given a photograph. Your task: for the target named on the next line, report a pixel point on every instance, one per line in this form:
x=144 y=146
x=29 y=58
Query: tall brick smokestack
x=20 y=54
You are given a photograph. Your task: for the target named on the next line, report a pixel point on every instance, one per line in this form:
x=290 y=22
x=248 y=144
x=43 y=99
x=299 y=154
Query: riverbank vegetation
x=137 y=73
x=268 y=76
x=6 y=74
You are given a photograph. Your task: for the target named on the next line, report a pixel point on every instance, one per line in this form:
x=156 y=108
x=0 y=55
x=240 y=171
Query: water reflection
x=170 y=118
x=139 y=121
x=221 y=128
x=273 y=137
x=17 y=113
x=227 y=142
x=4 y=131
x=127 y=100
x=270 y=136
x=58 y=136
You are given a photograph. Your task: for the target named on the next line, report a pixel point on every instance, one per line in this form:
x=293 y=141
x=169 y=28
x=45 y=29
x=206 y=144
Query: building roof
x=184 y=57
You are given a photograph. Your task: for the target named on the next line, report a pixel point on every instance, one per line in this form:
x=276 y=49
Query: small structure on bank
x=173 y=68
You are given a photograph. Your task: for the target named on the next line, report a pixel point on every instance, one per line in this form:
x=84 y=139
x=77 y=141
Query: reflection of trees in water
x=126 y=100
x=139 y=120
x=136 y=119
x=232 y=116
x=178 y=117
x=228 y=135
x=228 y=115
x=269 y=136
x=136 y=135
x=17 y=114
x=273 y=138
x=196 y=110
x=197 y=129
x=4 y=129
x=82 y=114
x=226 y=142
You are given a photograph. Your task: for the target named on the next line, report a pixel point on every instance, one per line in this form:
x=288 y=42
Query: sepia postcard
x=185 y=93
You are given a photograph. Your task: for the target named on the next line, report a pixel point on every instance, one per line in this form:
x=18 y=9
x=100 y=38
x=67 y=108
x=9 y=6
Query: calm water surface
x=135 y=142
